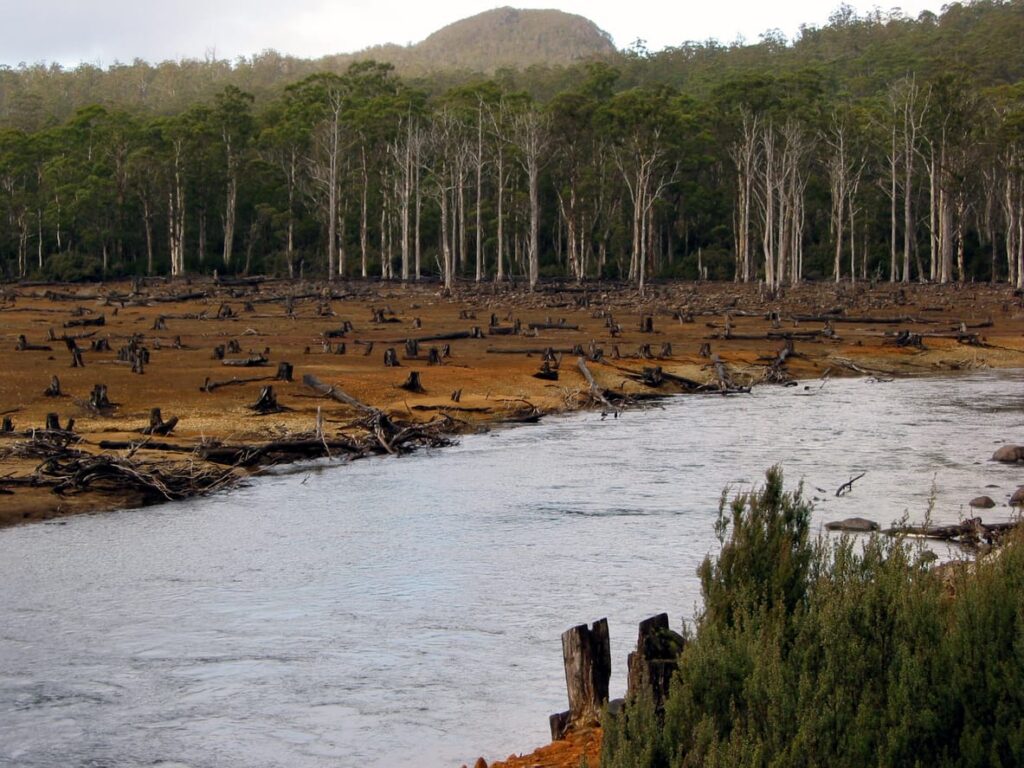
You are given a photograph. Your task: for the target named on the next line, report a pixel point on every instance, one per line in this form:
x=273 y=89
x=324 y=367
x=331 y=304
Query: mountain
x=502 y=38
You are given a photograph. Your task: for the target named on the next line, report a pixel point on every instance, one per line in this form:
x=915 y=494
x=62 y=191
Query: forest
x=874 y=148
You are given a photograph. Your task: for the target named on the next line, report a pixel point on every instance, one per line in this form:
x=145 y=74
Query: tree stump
x=219 y=352
x=586 y=653
x=652 y=377
x=412 y=383
x=266 y=402
x=100 y=345
x=54 y=389
x=76 y=358
x=646 y=324
x=390 y=358
x=160 y=324
x=705 y=350
x=340 y=349
x=666 y=349
x=434 y=356
x=53 y=422
x=157 y=426
x=446 y=351
x=456 y=395
x=546 y=373
x=369 y=348
x=644 y=352
x=417 y=323
x=234 y=348
x=284 y=371
x=412 y=348
x=652 y=664
x=98 y=399
x=615 y=352
x=7 y=425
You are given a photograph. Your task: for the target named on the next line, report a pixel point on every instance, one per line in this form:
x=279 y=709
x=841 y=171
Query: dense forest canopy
x=875 y=147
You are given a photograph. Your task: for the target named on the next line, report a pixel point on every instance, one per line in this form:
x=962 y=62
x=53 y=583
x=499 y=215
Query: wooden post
x=586 y=653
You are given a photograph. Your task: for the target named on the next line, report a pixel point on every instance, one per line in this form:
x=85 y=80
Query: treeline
x=877 y=147
x=811 y=653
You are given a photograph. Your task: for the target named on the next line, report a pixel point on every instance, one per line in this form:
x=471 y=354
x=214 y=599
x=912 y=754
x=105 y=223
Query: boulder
x=1017 y=500
x=1009 y=454
x=982 y=502
x=853 y=525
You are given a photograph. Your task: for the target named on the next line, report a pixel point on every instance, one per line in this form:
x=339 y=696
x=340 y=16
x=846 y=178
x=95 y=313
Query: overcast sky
x=104 y=31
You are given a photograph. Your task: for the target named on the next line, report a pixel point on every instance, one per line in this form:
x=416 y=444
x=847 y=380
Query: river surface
x=407 y=612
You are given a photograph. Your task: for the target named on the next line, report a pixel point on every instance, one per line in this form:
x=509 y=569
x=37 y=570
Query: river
x=407 y=612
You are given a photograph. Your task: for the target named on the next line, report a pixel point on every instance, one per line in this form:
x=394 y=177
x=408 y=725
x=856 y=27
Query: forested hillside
x=879 y=147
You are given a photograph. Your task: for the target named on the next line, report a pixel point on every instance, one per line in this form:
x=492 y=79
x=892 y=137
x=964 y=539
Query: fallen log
x=335 y=393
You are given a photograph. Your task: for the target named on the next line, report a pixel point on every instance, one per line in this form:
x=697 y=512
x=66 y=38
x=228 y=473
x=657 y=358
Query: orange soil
x=498 y=385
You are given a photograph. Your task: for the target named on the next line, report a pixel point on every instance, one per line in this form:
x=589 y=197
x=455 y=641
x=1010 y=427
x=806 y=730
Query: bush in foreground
x=838 y=653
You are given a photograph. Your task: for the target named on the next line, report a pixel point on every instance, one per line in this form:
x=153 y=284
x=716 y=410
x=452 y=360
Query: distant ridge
x=502 y=38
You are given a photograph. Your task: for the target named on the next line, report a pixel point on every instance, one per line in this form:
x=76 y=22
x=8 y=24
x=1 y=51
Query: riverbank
x=211 y=347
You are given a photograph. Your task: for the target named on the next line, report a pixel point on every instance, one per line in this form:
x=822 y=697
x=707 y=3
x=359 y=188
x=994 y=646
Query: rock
x=982 y=502
x=1009 y=454
x=1017 y=500
x=853 y=525
x=480 y=763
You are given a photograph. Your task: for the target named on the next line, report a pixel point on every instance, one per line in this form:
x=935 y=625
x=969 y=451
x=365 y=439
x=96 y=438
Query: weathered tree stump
x=157 y=426
x=644 y=352
x=412 y=348
x=652 y=377
x=76 y=358
x=666 y=349
x=100 y=345
x=652 y=664
x=546 y=372
x=53 y=422
x=98 y=399
x=434 y=356
x=160 y=324
x=390 y=358
x=54 y=389
x=284 y=371
x=412 y=383
x=586 y=653
x=234 y=348
x=646 y=324
x=7 y=425
x=456 y=395
x=615 y=352
x=369 y=348
x=218 y=352
x=446 y=351
x=417 y=323
x=225 y=312
x=705 y=350
x=266 y=402
x=340 y=349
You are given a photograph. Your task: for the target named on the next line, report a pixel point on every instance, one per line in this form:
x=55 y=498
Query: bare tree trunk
x=364 y=235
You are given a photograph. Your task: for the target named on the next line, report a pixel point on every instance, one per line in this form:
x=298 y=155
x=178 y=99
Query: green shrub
x=841 y=653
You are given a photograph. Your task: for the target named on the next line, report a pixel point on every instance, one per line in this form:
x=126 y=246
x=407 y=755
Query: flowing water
x=407 y=612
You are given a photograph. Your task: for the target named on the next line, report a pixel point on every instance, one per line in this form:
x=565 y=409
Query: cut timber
x=22 y=345
x=335 y=393
x=86 y=321
x=586 y=653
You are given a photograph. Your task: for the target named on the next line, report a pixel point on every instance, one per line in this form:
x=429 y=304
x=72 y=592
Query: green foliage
x=842 y=654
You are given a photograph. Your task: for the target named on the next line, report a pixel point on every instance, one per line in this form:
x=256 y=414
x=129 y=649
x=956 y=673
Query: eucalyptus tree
x=233 y=121
x=531 y=134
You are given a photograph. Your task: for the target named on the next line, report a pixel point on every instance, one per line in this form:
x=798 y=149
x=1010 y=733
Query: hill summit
x=511 y=37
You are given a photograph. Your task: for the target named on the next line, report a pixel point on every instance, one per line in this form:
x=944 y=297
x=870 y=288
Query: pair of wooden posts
x=586 y=654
